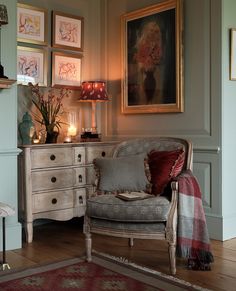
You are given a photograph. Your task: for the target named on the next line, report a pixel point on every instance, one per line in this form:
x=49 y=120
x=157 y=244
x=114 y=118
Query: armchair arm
x=171 y=224
x=92 y=192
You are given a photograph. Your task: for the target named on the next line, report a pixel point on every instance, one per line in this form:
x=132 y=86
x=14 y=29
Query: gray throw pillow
x=121 y=174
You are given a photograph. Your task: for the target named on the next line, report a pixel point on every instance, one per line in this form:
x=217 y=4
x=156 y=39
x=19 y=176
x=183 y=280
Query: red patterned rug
x=103 y=274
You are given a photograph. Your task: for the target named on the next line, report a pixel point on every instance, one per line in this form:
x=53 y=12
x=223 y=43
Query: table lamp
x=93 y=91
x=3 y=21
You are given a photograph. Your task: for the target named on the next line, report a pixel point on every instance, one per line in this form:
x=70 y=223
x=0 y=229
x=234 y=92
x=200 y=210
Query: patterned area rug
x=105 y=273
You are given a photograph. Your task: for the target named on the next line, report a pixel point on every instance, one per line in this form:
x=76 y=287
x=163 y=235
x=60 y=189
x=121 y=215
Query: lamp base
x=2 y=72
x=89 y=136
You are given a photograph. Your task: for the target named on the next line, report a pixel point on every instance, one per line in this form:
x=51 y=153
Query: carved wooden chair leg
x=131 y=242
x=88 y=242
x=88 y=239
x=172 y=257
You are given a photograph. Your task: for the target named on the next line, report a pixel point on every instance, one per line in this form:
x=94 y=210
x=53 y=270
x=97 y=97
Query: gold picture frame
x=152 y=65
x=66 y=70
x=31 y=24
x=67 y=31
x=31 y=66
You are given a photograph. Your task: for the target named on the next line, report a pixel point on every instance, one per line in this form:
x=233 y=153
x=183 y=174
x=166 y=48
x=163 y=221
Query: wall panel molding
x=207 y=150
x=10 y=152
x=203 y=172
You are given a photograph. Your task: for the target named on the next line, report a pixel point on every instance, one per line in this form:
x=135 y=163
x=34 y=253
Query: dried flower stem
x=49 y=106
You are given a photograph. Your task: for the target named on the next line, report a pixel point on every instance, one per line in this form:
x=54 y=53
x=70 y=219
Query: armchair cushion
x=122 y=174
x=164 y=165
x=109 y=207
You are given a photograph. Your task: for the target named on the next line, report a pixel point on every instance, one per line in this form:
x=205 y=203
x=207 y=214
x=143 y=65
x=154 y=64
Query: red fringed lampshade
x=93 y=91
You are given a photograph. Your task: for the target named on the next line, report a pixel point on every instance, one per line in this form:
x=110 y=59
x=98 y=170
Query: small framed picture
x=66 y=70
x=67 y=31
x=233 y=55
x=31 y=24
x=31 y=66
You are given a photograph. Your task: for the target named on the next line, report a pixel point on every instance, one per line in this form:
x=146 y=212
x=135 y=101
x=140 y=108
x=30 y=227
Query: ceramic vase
x=52 y=137
x=149 y=86
x=26 y=129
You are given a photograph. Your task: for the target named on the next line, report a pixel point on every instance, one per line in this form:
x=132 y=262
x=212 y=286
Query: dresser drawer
x=94 y=152
x=53 y=179
x=79 y=156
x=51 y=157
x=52 y=201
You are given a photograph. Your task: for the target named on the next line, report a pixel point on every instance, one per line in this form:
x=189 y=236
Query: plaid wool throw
x=192 y=233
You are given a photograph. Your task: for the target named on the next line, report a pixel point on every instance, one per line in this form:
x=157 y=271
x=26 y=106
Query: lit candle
x=72 y=130
x=36 y=140
x=67 y=139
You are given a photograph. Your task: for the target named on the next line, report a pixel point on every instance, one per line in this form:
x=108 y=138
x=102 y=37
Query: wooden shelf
x=6 y=83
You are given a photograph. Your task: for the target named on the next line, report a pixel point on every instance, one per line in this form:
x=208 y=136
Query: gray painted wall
x=91 y=60
x=8 y=129
x=228 y=122
x=204 y=120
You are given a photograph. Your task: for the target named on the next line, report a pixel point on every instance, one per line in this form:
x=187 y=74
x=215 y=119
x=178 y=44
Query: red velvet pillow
x=164 y=165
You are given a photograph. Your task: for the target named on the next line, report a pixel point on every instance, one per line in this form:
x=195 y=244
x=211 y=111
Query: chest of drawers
x=55 y=179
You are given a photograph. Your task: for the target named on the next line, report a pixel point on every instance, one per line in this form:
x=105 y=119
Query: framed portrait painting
x=152 y=67
x=66 y=70
x=67 y=31
x=31 y=66
x=31 y=24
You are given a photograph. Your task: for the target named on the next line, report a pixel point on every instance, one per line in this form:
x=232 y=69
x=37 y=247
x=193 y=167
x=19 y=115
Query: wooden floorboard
x=57 y=241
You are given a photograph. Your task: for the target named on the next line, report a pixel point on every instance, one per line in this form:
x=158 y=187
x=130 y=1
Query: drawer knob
x=80 y=179
x=79 y=158
x=52 y=157
x=54 y=201
x=103 y=154
x=53 y=179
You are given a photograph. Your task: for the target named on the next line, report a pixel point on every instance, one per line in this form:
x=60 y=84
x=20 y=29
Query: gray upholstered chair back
x=145 y=145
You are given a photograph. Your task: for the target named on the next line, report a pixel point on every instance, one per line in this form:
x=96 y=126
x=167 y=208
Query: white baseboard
x=221 y=228
x=13 y=237
x=214 y=224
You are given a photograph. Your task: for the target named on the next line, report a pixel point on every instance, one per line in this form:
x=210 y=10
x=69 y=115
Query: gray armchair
x=153 y=218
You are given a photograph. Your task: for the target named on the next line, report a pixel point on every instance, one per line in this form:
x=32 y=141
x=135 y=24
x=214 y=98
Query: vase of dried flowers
x=149 y=54
x=49 y=110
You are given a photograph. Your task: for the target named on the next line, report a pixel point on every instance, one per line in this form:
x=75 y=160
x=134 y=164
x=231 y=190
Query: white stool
x=5 y=210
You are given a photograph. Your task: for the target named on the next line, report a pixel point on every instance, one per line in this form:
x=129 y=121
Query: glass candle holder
x=72 y=121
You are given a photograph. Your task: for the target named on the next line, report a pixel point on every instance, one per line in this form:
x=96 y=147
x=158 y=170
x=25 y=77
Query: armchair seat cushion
x=109 y=207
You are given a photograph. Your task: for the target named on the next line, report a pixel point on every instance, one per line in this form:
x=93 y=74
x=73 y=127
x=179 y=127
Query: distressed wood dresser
x=54 y=180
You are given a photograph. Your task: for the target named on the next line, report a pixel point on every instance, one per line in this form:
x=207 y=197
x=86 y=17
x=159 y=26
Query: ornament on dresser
x=26 y=129
x=49 y=110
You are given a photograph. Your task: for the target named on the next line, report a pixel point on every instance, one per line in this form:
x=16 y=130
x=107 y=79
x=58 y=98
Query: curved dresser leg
x=29 y=232
x=131 y=242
